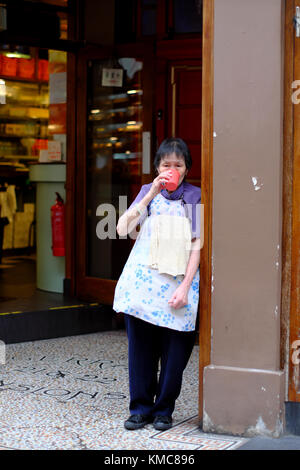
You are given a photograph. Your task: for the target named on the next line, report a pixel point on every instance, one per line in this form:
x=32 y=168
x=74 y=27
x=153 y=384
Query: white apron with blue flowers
x=144 y=292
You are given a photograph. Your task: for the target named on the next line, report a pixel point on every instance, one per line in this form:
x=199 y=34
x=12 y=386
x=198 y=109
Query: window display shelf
x=24 y=120
x=23 y=104
x=23 y=79
x=13 y=175
x=19 y=93
x=22 y=136
x=19 y=157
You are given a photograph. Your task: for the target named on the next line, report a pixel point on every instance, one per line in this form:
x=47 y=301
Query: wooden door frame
x=287 y=203
x=70 y=184
x=290 y=297
x=206 y=192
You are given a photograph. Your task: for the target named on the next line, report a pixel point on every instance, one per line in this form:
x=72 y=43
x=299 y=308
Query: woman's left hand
x=180 y=297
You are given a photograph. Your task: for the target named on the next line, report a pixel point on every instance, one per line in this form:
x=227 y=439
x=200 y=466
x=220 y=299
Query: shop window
x=134 y=19
x=187 y=16
x=32 y=130
x=148 y=17
x=63 y=26
x=125 y=21
x=137 y=20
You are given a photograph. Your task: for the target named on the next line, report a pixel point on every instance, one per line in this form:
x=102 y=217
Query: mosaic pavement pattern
x=72 y=393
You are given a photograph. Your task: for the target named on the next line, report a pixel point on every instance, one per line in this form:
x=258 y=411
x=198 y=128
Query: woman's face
x=172 y=161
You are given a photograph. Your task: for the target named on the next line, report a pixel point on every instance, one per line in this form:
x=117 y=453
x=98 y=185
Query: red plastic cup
x=172 y=183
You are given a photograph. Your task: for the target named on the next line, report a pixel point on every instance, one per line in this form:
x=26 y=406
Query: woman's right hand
x=159 y=182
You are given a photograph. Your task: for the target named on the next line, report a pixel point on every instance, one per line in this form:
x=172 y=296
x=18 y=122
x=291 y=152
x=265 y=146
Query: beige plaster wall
x=243 y=387
x=246 y=244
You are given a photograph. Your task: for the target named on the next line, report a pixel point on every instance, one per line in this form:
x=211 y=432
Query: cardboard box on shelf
x=38 y=113
x=15 y=129
x=16 y=111
x=43 y=156
x=62 y=138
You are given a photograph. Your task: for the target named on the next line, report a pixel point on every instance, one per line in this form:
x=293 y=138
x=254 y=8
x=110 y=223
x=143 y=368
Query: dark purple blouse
x=190 y=196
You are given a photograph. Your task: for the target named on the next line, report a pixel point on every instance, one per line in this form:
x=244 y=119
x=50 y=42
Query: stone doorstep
x=54 y=322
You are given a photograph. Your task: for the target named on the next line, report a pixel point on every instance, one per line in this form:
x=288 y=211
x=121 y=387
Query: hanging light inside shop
x=17 y=52
x=134 y=92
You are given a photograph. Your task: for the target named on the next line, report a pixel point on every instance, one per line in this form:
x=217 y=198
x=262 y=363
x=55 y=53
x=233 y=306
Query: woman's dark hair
x=173 y=145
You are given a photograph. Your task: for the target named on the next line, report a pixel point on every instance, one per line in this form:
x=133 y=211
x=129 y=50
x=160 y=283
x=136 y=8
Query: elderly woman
x=158 y=289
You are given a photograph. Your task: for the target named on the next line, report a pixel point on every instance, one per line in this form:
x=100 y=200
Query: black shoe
x=137 y=422
x=162 y=423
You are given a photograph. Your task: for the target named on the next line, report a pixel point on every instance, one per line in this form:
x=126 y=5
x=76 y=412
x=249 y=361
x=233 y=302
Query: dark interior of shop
x=24 y=132
x=42 y=44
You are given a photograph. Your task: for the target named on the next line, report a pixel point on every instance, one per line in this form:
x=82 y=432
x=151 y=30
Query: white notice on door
x=54 y=150
x=112 y=77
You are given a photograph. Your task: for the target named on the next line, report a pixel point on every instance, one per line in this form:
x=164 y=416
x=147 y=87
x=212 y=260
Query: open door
x=114 y=148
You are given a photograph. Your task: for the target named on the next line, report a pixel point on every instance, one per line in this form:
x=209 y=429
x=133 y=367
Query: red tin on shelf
x=8 y=66
x=39 y=144
x=43 y=70
x=26 y=68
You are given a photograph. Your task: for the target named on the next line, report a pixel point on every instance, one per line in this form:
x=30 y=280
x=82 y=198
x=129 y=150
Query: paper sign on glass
x=54 y=150
x=112 y=77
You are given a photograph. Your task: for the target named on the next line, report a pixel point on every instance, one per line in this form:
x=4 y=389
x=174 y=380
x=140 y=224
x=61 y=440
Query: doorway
x=170 y=99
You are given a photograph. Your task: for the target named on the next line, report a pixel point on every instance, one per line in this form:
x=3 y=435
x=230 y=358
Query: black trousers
x=148 y=345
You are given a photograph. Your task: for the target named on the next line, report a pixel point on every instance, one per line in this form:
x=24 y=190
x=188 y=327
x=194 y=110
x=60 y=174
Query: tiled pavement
x=72 y=393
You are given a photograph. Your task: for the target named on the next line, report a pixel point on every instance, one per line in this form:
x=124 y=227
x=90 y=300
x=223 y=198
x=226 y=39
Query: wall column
x=243 y=386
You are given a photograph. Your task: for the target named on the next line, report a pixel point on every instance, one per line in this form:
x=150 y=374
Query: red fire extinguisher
x=58 y=226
